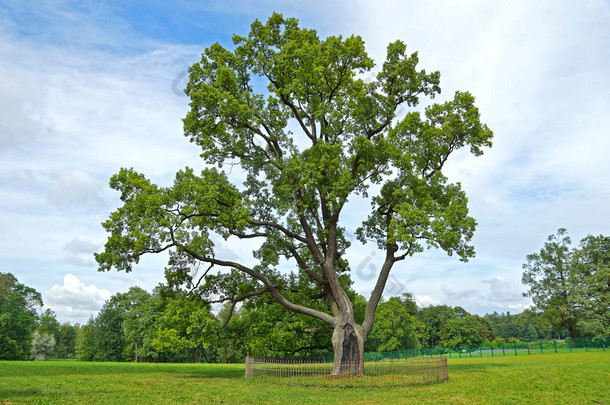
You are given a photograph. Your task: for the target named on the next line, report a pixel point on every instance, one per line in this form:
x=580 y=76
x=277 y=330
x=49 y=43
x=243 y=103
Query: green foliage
x=186 y=323
x=551 y=279
x=469 y=330
x=18 y=317
x=350 y=135
x=528 y=333
x=268 y=329
x=139 y=313
x=47 y=324
x=43 y=346
x=65 y=347
x=102 y=338
x=592 y=259
x=432 y=319
x=571 y=287
x=85 y=342
x=505 y=325
x=394 y=328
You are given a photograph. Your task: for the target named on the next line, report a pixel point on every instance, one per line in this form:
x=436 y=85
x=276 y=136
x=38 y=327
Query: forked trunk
x=348 y=345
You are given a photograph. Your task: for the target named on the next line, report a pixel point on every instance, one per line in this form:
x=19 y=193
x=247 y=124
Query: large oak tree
x=317 y=135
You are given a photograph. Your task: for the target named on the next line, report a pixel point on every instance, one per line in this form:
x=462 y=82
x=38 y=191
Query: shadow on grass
x=15 y=394
x=177 y=370
x=475 y=367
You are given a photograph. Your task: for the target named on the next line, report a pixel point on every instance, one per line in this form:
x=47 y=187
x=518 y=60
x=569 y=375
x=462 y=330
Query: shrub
x=42 y=346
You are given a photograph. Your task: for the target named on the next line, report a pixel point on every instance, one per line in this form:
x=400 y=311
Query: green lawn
x=570 y=378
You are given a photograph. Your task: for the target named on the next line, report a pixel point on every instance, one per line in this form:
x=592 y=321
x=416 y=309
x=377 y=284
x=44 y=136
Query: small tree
x=315 y=137
x=43 y=346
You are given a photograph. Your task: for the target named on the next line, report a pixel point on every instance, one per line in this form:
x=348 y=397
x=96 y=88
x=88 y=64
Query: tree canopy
x=571 y=286
x=293 y=114
x=18 y=305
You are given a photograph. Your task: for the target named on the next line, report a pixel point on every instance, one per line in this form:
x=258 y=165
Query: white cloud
x=80 y=246
x=20 y=105
x=460 y=295
x=75 y=189
x=502 y=290
x=521 y=307
x=91 y=96
x=425 y=301
x=79 y=261
x=74 y=300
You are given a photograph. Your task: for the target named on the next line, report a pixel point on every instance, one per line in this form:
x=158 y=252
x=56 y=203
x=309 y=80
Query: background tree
x=86 y=349
x=48 y=325
x=432 y=319
x=138 y=316
x=43 y=346
x=186 y=324
x=394 y=328
x=553 y=281
x=571 y=286
x=463 y=329
x=18 y=304
x=316 y=136
x=592 y=260
x=528 y=333
x=65 y=348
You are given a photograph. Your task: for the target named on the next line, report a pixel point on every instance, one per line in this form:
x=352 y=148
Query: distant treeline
x=171 y=326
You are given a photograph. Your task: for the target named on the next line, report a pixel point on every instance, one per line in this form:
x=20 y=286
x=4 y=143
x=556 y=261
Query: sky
x=90 y=86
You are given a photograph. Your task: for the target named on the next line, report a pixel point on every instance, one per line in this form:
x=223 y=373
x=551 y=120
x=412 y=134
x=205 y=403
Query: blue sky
x=87 y=87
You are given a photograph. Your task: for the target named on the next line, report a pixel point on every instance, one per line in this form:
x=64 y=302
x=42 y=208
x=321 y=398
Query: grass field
x=570 y=378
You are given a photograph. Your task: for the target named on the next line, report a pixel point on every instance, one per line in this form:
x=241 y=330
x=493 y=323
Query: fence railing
x=511 y=349
x=384 y=372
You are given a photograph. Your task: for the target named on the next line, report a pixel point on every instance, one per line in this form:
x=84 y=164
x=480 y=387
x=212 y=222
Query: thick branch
x=295 y=112
x=303 y=266
x=280 y=228
x=261 y=277
x=371 y=307
x=234 y=303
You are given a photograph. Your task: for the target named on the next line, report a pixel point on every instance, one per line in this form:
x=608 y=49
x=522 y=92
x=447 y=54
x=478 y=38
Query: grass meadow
x=564 y=378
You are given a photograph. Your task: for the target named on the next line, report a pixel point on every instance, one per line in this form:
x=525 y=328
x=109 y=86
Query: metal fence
x=515 y=348
x=405 y=367
x=378 y=372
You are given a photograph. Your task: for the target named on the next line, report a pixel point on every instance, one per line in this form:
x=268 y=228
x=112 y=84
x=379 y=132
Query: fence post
x=248 y=367
x=515 y=345
x=503 y=352
x=555 y=344
x=492 y=350
x=541 y=351
x=481 y=351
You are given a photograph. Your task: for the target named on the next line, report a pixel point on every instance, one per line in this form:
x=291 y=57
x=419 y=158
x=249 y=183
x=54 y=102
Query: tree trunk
x=348 y=346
